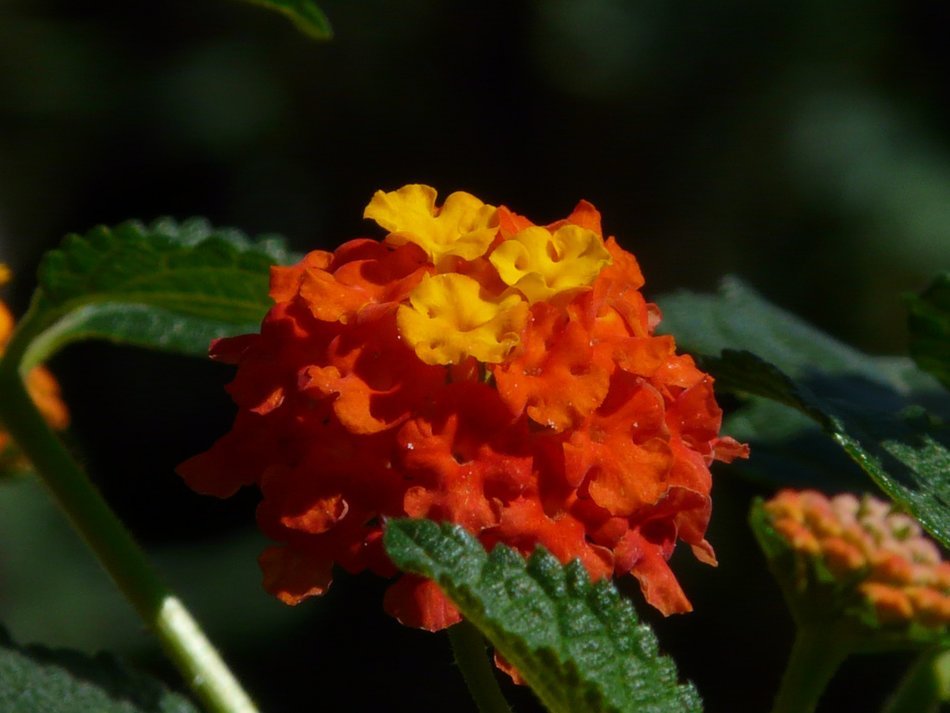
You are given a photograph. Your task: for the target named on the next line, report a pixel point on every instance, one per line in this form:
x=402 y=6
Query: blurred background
x=804 y=147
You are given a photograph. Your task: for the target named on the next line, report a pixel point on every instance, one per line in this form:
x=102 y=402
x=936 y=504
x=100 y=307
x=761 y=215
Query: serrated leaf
x=907 y=453
x=35 y=678
x=789 y=449
x=578 y=645
x=170 y=286
x=929 y=326
x=737 y=317
x=866 y=405
x=305 y=14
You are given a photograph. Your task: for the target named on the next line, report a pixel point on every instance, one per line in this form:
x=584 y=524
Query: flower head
x=873 y=558
x=471 y=367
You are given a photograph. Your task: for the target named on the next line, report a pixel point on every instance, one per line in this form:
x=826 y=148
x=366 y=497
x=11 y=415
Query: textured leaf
x=739 y=318
x=929 y=325
x=35 y=679
x=866 y=406
x=578 y=645
x=305 y=14
x=167 y=286
x=789 y=449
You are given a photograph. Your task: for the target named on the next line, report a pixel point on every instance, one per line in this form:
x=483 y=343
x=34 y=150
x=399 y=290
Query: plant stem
x=816 y=655
x=923 y=686
x=185 y=643
x=472 y=658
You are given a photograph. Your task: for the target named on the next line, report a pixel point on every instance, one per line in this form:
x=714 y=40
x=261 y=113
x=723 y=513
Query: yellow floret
x=462 y=226
x=448 y=319
x=541 y=264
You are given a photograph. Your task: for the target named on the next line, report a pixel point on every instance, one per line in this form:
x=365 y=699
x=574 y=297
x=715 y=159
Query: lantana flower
x=40 y=384
x=470 y=367
x=866 y=558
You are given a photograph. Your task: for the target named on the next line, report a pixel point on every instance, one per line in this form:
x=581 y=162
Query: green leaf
x=929 y=325
x=166 y=286
x=36 y=679
x=866 y=406
x=907 y=453
x=305 y=14
x=738 y=318
x=789 y=449
x=578 y=645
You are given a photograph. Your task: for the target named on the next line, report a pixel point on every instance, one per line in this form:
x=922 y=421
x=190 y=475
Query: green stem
x=921 y=690
x=472 y=658
x=123 y=559
x=816 y=655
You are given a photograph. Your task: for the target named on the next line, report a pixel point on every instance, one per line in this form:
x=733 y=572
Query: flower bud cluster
x=865 y=543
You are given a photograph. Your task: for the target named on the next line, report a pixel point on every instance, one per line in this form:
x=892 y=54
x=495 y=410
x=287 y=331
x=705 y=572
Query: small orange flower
x=471 y=367
x=40 y=384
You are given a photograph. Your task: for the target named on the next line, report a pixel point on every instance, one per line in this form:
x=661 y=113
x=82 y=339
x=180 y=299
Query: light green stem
x=479 y=674
x=923 y=687
x=816 y=655
x=123 y=559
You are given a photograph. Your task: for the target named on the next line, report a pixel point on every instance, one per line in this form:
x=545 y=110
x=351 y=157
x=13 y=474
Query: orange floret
x=470 y=367
x=40 y=385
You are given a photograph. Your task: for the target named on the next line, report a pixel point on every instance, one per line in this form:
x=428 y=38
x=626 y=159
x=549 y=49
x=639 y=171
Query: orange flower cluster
x=476 y=368
x=40 y=384
x=868 y=546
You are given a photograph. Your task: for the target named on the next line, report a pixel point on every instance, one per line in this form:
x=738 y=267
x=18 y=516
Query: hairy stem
x=471 y=655
x=185 y=643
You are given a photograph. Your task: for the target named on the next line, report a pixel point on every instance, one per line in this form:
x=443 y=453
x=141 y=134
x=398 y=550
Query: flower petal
x=449 y=318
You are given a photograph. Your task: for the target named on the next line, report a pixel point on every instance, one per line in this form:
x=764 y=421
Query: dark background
x=803 y=146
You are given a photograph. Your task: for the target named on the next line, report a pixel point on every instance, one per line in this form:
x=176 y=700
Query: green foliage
x=929 y=325
x=305 y=14
x=578 y=645
x=166 y=286
x=867 y=410
x=906 y=453
x=36 y=679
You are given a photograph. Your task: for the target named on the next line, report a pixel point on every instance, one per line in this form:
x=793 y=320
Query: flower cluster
x=40 y=384
x=867 y=546
x=471 y=367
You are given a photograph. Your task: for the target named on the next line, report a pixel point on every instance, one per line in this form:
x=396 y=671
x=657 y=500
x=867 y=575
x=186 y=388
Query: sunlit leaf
x=167 y=286
x=578 y=645
x=869 y=408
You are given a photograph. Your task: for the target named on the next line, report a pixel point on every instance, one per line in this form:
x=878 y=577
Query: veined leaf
x=36 y=679
x=305 y=14
x=578 y=645
x=165 y=286
x=868 y=407
x=737 y=317
x=929 y=325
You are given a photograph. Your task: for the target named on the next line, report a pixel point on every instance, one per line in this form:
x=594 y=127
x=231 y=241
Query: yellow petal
x=541 y=264
x=463 y=226
x=447 y=319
